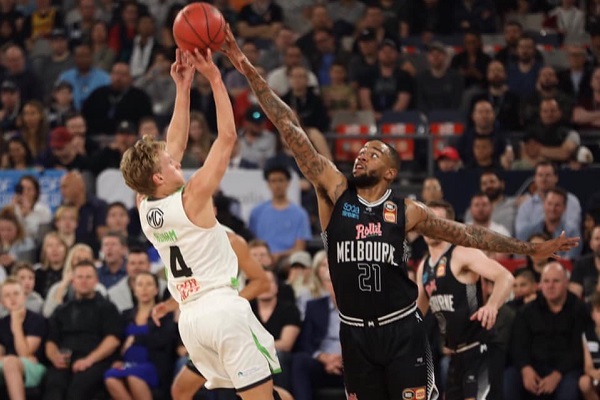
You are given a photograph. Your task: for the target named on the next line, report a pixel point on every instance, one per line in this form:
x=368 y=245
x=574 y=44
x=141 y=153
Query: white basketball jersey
x=197 y=259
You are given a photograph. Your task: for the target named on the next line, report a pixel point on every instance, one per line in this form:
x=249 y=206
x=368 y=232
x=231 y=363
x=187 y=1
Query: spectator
x=200 y=139
x=61 y=103
x=299 y=271
x=17 y=155
x=118 y=220
x=63 y=153
x=546 y=340
x=535 y=264
x=438 y=88
x=429 y=17
x=84 y=78
x=479 y=15
x=122 y=293
x=304 y=101
x=327 y=53
x=257 y=144
x=504 y=207
x=584 y=280
x=77 y=126
x=34 y=127
x=570 y=21
x=40 y=23
x=346 y=13
x=448 y=160
x=15 y=69
x=484 y=124
x=25 y=274
x=122 y=33
x=147 y=352
x=278 y=78
x=14 y=244
x=373 y=18
x=481 y=214
x=389 y=88
x=113 y=267
x=522 y=73
x=319 y=19
x=554 y=223
x=91 y=210
x=524 y=289
x=260 y=19
x=586 y=113
x=260 y=251
x=144 y=46
x=31 y=211
x=472 y=63
x=273 y=56
x=234 y=80
x=51 y=66
x=282 y=321
x=315 y=289
x=103 y=57
x=202 y=100
x=282 y=224
x=148 y=126
x=80 y=21
x=339 y=95
x=52 y=260
x=529 y=154
x=512 y=32
x=110 y=156
x=65 y=222
x=115 y=102
x=10 y=99
x=365 y=58
x=575 y=80
x=483 y=154
x=591 y=346
x=559 y=142
x=531 y=211
x=547 y=86
x=318 y=361
x=22 y=333
x=83 y=337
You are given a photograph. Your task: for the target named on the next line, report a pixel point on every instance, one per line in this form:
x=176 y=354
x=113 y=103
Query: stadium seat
x=351 y=123
x=402 y=123
x=446 y=126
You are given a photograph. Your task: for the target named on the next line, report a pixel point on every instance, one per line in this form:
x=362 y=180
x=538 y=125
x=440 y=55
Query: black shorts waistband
x=380 y=321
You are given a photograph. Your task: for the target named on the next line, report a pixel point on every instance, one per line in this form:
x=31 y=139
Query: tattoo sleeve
x=283 y=117
x=470 y=235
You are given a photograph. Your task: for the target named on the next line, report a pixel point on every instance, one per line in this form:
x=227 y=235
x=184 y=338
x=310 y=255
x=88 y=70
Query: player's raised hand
x=203 y=62
x=231 y=49
x=550 y=248
x=182 y=70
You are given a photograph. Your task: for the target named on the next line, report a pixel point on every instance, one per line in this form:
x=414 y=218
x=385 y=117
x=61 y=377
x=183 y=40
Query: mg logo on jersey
x=155 y=218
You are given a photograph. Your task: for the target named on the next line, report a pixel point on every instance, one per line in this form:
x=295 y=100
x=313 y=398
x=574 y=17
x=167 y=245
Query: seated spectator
x=103 y=57
x=17 y=155
x=122 y=32
x=259 y=20
x=14 y=244
x=144 y=46
x=31 y=211
x=448 y=160
x=260 y=251
x=483 y=154
x=588 y=382
x=315 y=288
x=22 y=333
x=304 y=101
x=438 y=87
x=546 y=340
x=33 y=127
x=522 y=73
x=146 y=353
x=65 y=222
x=61 y=103
x=62 y=291
x=429 y=17
x=62 y=153
x=159 y=85
x=200 y=140
x=257 y=143
x=584 y=279
x=575 y=80
x=282 y=321
x=524 y=289
x=318 y=360
x=319 y=18
x=118 y=220
x=149 y=126
x=278 y=78
x=245 y=99
x=535 y=264
x=504 y=207
x=272 y=57
x=547 y=87
x=325 y=54
x=83 y=338
x=79 y=21
x=513 y=30
x=554 y=224
x=530 y=153
x=364 y=58
x=110 y=156
x=25 y=274
x=478 y=15
x=52 y=260
x=233 y=79
x=570 y=21
x=15 y=67
x=298 y=268
x=284 y=225
x=51 y=66
x=122 y=293
x=388 y=88
x=77 y=126
x=10 y=98
x=481 y=214
x=472 y=62
x=114 y=252
x=339 y=95
x=531 y=210
x=586 y=113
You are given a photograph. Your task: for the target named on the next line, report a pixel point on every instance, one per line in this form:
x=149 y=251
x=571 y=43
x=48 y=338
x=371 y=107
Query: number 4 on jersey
x=178 y=266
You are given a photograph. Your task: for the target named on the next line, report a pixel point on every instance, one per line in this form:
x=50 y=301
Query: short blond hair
x=140 y=162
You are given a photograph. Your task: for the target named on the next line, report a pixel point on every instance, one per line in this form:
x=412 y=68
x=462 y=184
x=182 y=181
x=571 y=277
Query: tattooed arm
x=422 y=220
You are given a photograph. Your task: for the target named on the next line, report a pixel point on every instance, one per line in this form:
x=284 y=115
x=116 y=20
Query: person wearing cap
x=110 y=156
x=438 y=87
x=448 y=160
x=388 y=88
x=62 y=153
x=365 y=58
x=61 y=103
x=257 y=143
x=299 y=263
x=10 y=99
x=52 y=66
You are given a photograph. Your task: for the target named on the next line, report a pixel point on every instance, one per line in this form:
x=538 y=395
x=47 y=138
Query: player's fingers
x=208 y=54
x=177 y=55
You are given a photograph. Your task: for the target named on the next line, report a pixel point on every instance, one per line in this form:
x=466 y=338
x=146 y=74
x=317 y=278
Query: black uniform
x=384 y=343
x=476 y=362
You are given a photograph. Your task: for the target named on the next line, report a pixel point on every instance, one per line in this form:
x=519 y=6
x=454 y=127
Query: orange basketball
x=199 y=25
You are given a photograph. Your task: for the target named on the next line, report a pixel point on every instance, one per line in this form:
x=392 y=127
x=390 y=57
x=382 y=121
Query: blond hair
x=62 y=210
x=140 y=162
x=69 y=260
x=316 y=286
x=47 y=237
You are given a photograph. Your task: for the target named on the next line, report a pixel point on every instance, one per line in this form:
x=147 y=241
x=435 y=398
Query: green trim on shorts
x=263 y=350
x=33 y=372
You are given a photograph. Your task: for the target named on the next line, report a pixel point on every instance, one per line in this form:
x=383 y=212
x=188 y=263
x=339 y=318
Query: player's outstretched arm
x=258 y=282
x=208 y=178
x=422 y=220
x=321 y=172
x=182 y=72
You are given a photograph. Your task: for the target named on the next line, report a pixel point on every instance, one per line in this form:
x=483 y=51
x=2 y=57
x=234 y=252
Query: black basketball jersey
x=453 y=303
x=367 y=255
x=593 y=344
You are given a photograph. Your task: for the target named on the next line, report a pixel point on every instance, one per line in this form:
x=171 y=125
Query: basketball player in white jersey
x=226 y=343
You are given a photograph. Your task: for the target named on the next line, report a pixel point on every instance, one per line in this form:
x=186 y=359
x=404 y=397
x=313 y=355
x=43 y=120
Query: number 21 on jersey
x=369 y=278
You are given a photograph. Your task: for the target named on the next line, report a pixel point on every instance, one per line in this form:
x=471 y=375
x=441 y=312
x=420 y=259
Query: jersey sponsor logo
x=155 y=218
x=390 y=212
x=420 y=393
x=350 y=211
x=365 y=231
x=187 y=288
x=408 y=394
x=441 y=268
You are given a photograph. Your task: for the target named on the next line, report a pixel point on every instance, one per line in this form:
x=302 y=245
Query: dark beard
x=548 y=87
x=493 y=194
x=363 y=181
x=497 y=83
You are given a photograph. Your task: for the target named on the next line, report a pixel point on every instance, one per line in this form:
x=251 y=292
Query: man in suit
x=318 y=360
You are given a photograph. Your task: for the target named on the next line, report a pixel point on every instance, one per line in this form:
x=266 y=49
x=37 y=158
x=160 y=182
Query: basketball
x=199 y=25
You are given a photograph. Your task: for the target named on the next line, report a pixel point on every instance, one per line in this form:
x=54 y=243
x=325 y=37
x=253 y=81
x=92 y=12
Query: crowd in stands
x=81 y=81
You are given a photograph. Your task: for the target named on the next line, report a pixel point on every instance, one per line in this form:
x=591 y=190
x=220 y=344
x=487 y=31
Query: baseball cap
x=584 y=155
x=387 y=42
x=63 y=85
x=255 y=114
x=439 y=46
x=126 y=127
x=301 y=258
x=60 y=137
x=366 y=35
x=58 y=33
x=448 y=152
x=9 y=86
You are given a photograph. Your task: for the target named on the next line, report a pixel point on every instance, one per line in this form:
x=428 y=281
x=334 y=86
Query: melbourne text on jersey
x=356 y=251
x=441 y=302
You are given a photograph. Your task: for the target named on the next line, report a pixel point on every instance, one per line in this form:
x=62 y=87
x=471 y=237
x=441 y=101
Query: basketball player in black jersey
x=449 y=281
x=384 y=347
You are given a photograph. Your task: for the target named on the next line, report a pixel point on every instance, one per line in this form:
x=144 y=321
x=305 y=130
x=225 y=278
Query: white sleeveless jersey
x=196 y=259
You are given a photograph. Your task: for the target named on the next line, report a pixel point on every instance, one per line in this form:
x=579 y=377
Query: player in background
x=449 y=281
x=364 y=223
x=234 y=350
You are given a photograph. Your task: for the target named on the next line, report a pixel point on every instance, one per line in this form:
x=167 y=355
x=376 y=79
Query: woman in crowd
x=14 y=244
x=33 y=127
x=65 y=222
x=102 y=55
x=17 y=155
x=200 y=140
x=52 y=261
x=31 y=211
